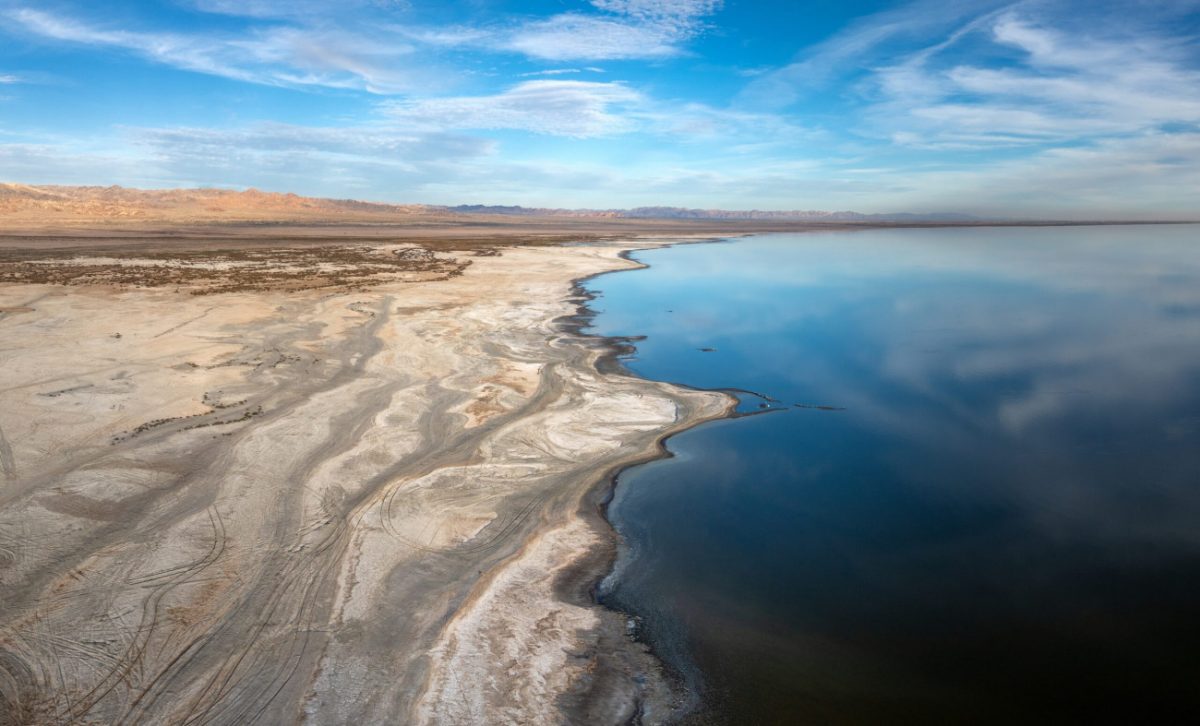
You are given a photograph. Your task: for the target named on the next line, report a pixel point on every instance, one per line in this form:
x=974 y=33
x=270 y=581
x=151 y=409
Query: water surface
x=985 y=507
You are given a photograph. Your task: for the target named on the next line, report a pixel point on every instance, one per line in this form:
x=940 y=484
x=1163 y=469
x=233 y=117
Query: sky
x=1038 y=108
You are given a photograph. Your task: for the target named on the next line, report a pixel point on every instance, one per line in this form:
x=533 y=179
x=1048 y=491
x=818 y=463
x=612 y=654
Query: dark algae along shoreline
x=975 y=499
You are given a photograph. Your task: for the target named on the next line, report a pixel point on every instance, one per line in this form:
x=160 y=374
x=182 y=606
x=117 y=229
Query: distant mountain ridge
x=116 y=203
x=713 y=214
x=21 y=203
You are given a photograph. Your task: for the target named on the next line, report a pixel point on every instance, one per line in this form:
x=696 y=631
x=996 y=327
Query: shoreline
x=596 y=502
x=611 y=361
x=627 y=683
x=322 y=504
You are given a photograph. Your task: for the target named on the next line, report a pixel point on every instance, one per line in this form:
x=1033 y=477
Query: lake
x=973 y=494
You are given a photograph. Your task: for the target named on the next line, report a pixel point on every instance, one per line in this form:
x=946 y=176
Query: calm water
x=999 y=523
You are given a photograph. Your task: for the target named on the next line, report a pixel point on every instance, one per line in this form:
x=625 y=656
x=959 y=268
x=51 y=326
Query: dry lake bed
x=328 y=482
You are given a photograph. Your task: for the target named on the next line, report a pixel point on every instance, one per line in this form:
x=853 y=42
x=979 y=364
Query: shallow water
x=995 y=516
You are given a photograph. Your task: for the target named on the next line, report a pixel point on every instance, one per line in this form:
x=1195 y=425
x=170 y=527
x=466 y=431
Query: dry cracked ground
x=316 y=487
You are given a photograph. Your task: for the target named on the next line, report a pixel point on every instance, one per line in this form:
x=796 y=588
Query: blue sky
x=1033 y=108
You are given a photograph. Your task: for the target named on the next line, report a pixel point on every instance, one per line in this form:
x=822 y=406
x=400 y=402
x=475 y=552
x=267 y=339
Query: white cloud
x=1096 y=114
x=310 y=43
x=659 y=8
x=1093 y=116
x=1060 y=88
x=585 y=109
x=370 y=161
x=558 y=72
x=571 y=36
x=291 y=8
x=859 y=47
x=452 y=36
x=630 y=29
x=578 y=109
x=275 y=55
x=616 y=29
x=261 y=8
x=1149 y=176
x=307 y=43
x=379 y=141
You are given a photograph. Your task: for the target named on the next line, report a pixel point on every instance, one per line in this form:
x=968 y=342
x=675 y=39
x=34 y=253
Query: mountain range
x=24 y=203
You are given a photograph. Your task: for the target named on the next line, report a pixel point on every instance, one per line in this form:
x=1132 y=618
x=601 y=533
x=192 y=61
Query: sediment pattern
x=270 y=506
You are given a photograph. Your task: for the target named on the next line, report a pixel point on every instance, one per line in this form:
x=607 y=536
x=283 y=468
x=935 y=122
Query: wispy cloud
x=577 y=109
x=677 y=11
x=1067 y=108
x=309 y=43
x=1056 y=87
x=860 y=47
x=561 y=72
x=1149 y=175
x=377 y=141
x=587 y=109
x=625 y=29
x=273 y=55
x=292 y=8
x=1030 y=105
x=366 y=159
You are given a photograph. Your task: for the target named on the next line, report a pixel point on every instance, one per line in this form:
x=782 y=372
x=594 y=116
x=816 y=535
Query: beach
x=275 y=490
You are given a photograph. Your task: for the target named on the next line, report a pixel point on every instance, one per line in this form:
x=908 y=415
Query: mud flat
x=369 y=499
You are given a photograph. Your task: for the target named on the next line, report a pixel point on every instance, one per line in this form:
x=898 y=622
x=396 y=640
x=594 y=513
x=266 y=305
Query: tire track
x=134 y=655
x=304 y=573
x=173 y=328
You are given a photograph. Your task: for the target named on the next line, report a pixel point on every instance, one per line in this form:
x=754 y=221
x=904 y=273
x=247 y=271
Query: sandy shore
x=370 y=501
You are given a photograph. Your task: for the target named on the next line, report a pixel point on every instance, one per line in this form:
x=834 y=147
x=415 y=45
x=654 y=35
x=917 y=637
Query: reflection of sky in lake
x=1005 y=515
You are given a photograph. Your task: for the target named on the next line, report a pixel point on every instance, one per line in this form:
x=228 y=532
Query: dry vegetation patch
x=209 y=271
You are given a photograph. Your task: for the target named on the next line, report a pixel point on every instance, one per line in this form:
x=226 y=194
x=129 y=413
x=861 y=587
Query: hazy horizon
x=1029 y=110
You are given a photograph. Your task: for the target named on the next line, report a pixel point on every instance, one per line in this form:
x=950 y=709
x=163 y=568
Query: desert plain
x=269 y=470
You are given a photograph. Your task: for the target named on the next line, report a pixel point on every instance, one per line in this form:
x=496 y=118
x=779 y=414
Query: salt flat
x=310 y=494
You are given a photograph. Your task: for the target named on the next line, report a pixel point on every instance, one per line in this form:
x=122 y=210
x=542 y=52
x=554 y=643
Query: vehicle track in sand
x=290 y=499
x=128 y=671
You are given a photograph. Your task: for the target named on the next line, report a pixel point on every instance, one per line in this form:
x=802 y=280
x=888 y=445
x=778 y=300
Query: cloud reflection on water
x=1016 y=462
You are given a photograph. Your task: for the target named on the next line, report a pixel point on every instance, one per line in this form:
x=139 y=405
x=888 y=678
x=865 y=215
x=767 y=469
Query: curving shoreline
x=323 y=505
x=621 y=680
x=678 y=701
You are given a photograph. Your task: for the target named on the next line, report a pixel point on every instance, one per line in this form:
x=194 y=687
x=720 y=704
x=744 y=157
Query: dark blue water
x=986 y=507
